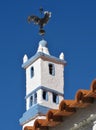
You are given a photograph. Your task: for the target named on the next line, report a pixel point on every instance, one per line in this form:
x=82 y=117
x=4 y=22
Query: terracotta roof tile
x=28 y=128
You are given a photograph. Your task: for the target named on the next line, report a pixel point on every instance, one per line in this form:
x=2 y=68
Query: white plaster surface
x=43 y=78
x=55 y=82
x=35 y=81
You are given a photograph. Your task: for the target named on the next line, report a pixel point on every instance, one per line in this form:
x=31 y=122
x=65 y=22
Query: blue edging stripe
x=44 y=88
x=32 y=112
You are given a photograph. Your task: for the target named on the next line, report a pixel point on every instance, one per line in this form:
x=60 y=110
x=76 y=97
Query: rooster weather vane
x=40 y=21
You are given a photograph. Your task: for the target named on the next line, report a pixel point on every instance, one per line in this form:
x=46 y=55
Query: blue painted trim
x=46 y=89
x=43 y=55
x=32 y=112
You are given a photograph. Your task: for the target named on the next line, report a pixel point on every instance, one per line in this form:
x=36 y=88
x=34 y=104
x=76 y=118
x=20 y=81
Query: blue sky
x=72 y=30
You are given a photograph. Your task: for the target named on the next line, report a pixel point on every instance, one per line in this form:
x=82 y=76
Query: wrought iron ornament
x=40 y=21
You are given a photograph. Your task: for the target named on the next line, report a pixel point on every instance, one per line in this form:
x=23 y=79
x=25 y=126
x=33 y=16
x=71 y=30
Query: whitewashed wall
x=43 y=78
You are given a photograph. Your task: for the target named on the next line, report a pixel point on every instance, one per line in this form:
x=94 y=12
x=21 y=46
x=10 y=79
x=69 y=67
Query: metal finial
x=40 y=21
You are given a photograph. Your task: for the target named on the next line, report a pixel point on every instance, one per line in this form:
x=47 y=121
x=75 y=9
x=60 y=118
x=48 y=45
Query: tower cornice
x=44 y=57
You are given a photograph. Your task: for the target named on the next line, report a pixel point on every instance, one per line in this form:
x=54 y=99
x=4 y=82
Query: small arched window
x=55 y=98
x=51 y=69
x=45 y=95
x=32 y=71
x=31 y=101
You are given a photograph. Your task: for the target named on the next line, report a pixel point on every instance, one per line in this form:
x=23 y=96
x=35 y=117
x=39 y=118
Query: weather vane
x=40 y=21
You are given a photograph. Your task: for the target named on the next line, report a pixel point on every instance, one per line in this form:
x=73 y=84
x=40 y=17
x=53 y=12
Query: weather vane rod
x=40 y=21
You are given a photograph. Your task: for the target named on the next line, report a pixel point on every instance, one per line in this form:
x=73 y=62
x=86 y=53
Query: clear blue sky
x=72 y=30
